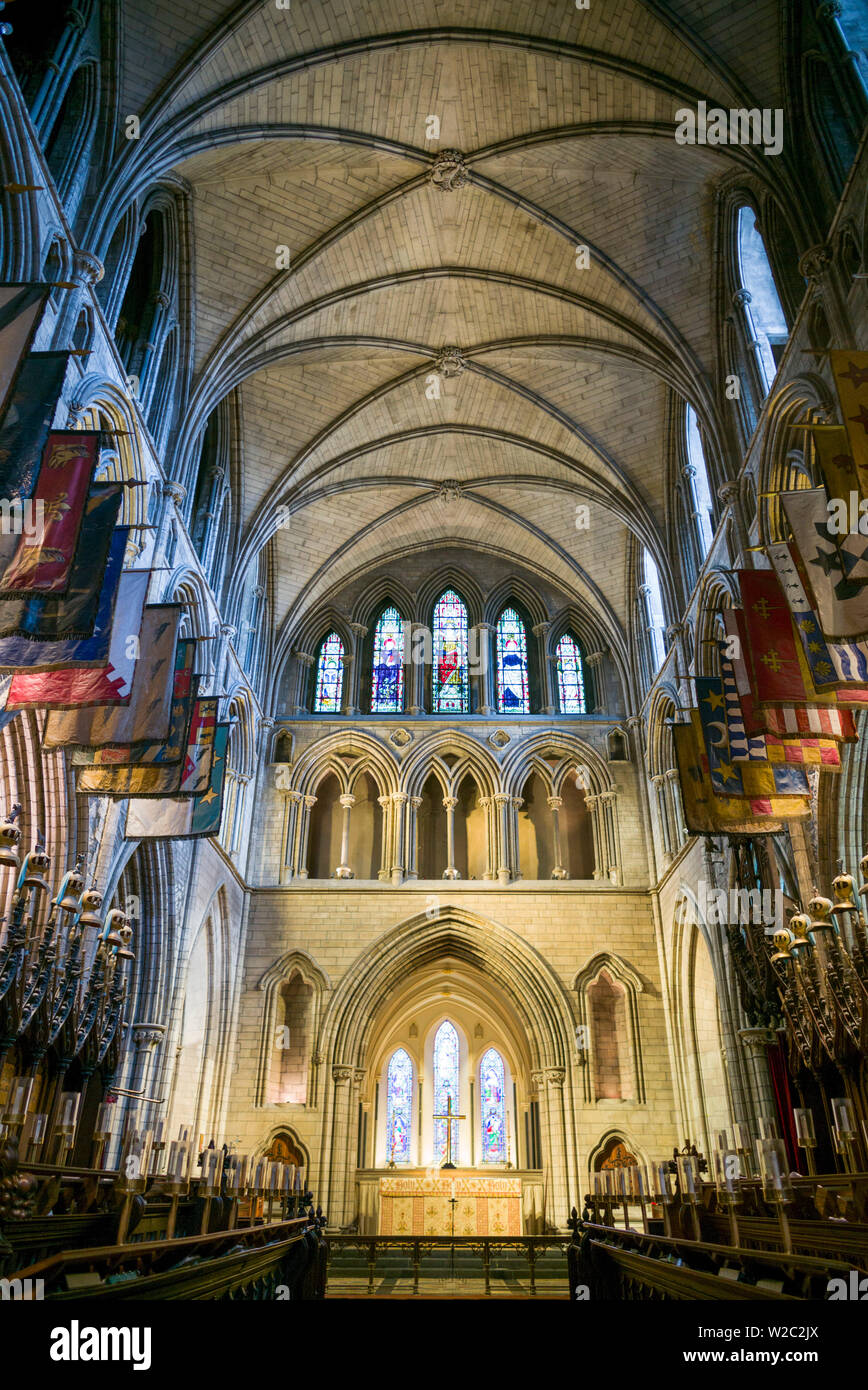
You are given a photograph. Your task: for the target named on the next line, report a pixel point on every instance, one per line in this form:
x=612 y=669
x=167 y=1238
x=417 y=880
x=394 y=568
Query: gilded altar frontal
x=434 y=671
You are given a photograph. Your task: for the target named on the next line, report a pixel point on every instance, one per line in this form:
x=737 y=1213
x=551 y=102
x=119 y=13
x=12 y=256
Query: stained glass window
x=399 y=1107
x=493 y=1107
x=512 y=696
x=571 y=676
x=387 y=687
x=329 y=676
x=450 y=655
x=445 y=1089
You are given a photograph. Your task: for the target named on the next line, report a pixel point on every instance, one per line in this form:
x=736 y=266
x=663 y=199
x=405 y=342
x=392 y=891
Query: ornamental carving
x=449 y=362
x=449 y=171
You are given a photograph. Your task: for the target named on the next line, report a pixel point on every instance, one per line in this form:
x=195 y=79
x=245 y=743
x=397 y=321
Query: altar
x=418 y=1202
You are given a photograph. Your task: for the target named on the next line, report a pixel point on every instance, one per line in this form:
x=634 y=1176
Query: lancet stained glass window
x=571 y=676
x=387 y=686
x=329 y=676
x=764 y=312
x=399 y=1107
x=445 y=1089
x=450 y=655
x=492 y=1104
x=512 y=693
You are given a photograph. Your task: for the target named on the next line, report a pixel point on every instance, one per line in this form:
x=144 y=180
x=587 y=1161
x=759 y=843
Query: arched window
x=512 y=690
x=450 y=655
x=329 y=676
x=704 y=511
x=655 y=622
x=387 y=686
x=571 y=676
x=399 y=1107
x=446 y=1055
x=492 y=1105
x=764 y=313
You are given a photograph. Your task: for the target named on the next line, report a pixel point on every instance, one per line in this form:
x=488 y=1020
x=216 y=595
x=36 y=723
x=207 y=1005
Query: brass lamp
x=91 y=902
x=10 y=836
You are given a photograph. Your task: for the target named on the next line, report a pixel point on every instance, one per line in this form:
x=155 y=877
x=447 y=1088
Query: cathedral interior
x=433 y=650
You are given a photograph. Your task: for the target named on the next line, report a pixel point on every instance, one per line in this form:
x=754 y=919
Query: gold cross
x=450 y=1121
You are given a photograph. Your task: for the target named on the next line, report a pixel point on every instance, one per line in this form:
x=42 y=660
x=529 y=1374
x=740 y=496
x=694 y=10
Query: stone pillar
x=450 y=802
x=351 y=1158
x=815 y=265
x=342 y=1078
x=659 y=785
x=487 y=804
x=730 y=495
x=411 y=840
x=609 y=835
x=86 y=272
x=515 y=856
x=756 y=1041
x=291 y=803
x=383 y=873
x=303 y=697
x=173 y=500
x=555 y=1077
x=547 y=696
x=402 y=847
x=146 y=1038
x=502 y=801
x=594 y=663
x=676 y=810
x=417 y=665
x=480 y=677
x=593 y=805
x=353 y=677
x=555 y=803
x=343 y=869
x=303 y=827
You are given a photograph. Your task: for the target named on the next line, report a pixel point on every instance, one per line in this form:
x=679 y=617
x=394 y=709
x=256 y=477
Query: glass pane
x=492 y=1106
x=571 y=677
x=512 y=693
x=764 y=311
x=696 y=455
x=450 y=655
x=329 y=676
x=387 y=688
x=445 y=1089
x=399 y=1107
x=655 y=611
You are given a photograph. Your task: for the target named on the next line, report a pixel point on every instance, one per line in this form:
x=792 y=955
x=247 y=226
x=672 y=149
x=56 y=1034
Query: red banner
x=51 y=518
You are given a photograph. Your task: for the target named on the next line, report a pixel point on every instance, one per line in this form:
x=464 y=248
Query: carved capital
x=342 y=1075
x=815 y=262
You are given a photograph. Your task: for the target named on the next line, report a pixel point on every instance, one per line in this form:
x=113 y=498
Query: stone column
x=416 y=668
x=676 y=810
x=593 y=805
x=351 y=1158
x=291 y=803
x=555 y=803
x=86 y=272
x=303 y=698
x=411 y=840
x=756 y=1042
x=383 y=873
x=450 y=802
x=555 y=1077
x=609 y=836
x=353 y=678
x=342 y=1078
x=402 y=847
x=515 y=858
x=730 y=495
x=303 y=825
x=547 y=697
x=343 y=869
x=502 y=801
x=487 y=804
x=347 y=684
x=594 y=663
x=659 y=785
x=815 y=265
x=173 y=500
x=146 y=1038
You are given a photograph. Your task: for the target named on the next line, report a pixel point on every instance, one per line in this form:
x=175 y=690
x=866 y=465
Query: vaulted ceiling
x=306 y=128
